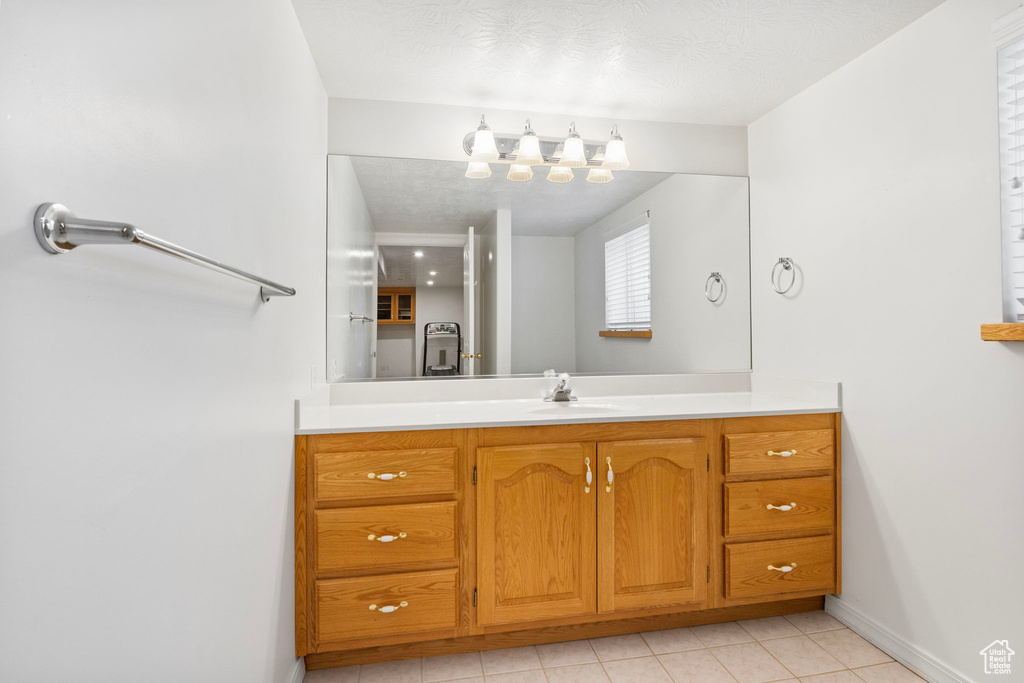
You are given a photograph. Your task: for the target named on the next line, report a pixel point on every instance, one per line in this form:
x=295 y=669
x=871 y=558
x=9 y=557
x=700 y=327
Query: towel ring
x=709 y=283
x=787 y=264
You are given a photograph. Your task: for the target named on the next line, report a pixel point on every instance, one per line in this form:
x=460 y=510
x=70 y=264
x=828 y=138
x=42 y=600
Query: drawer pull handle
x=783 y=454
x=386 y=539
x=611 y=475
x=784 y=508
x=590 y=477
x=784 y=568
x=387 y=476
x=388 y=609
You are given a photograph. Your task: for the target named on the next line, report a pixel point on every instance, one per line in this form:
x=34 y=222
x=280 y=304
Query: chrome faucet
x=562 y=392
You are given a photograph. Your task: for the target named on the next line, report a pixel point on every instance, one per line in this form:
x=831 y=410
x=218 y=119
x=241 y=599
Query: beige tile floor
x=811 y=647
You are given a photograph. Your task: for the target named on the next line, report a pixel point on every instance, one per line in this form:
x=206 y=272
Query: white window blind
x=627 y=279
x=1011 y=175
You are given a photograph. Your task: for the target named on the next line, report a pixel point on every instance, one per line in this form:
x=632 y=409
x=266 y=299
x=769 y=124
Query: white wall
x=881 y=182
x=543 y=304
x=699 y=224
x=495 y=294
x=436 y=305
x=396 y=350
x=351 y=261
x=146 y=414
x=432 y=131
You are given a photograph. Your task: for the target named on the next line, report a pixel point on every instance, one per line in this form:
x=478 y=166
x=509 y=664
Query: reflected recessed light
x=433 y=272
x=430 y=282
x=418 y=254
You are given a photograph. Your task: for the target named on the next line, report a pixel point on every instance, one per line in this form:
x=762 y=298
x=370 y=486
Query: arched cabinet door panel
x=535 y=532
x=652 y=523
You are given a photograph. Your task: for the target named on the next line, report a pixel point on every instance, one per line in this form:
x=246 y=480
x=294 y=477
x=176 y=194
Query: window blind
x=1011 y=175
x=627 y=280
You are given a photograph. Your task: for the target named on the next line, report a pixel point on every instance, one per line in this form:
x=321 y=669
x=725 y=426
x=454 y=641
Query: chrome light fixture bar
x=508 y=143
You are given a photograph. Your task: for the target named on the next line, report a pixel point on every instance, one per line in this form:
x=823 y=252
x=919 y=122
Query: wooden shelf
x=1002 y=332
x=634 y=334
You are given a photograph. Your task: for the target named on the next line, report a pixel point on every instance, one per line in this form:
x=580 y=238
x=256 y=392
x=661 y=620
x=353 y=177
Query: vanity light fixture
x=430 y=282
x=573 y=153
x=433 y=272
x=615 y=158
x=484 y=149
x=527 y=149
x=478 y=169
x=599 y=175
x=418 y=254
x=519 y=173
x=560 y=174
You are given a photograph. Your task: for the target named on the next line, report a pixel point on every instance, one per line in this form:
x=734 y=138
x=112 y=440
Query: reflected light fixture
x=430 y=282
x=433 y=272
x=478 y=169
x=615 y=158
x=529 y=148
x=573 y=153
x=560 y=174
x=418 y=254
x=599 y=175
x=519 y=173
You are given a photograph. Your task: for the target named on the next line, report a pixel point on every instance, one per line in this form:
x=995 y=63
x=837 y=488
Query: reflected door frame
x=408 y=239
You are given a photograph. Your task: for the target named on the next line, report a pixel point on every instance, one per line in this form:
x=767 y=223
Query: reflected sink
x=581 y=408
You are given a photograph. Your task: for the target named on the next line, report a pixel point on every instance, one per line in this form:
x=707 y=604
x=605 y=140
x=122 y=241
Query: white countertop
x=319 y=414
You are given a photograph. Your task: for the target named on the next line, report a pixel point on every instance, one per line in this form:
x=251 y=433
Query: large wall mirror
x=431 y=274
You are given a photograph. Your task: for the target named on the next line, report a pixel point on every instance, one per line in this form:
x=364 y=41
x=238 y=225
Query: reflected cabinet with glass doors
x=396 y=305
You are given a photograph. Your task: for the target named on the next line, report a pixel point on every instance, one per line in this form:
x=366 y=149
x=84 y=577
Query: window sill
x=1003 y=332
x=632 y=334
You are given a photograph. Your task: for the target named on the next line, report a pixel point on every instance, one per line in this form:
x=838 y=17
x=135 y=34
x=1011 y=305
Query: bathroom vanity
x=518 y=526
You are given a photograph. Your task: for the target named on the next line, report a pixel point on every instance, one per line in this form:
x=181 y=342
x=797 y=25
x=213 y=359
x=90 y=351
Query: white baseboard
x=299 y=672
x=897 y=648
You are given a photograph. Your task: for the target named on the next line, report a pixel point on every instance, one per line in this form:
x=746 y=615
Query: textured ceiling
x=699 y=61
x=405 y=269
x=416 y=195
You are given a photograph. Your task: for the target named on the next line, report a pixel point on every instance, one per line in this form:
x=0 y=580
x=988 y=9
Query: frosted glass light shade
x=615 y=158
x=478 y=169
x=519 y=173
x=484 y=149
x=529 y=150
x=560 y=174
x=599 y=175
x=573 y=155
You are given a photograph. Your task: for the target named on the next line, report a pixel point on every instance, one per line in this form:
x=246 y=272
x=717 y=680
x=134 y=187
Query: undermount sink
x=581 y=408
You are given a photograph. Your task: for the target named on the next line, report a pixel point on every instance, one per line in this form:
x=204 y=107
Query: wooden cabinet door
x=652 y=523
x=536 y=528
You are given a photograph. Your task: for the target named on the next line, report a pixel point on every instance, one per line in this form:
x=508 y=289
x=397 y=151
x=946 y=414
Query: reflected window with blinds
x=1011 y=175
x=627 y=277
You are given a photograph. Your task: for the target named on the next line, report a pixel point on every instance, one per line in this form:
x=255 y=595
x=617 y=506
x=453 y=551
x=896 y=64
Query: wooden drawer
x=747 y=511
x=343 y=605
x=343 y=536
x=342 y=476
x=747 y=573
x=766 y=453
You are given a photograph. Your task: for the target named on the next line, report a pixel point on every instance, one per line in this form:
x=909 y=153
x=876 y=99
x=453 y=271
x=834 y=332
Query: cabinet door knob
x=785 y=507
x=590 y=477
x=387 y=538
x=784 y=568
x=611 y=475
x=387 y=476
x=783 y=454
x=388 y=609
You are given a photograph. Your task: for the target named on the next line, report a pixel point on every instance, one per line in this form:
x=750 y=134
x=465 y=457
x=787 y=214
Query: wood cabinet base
x=556 y=634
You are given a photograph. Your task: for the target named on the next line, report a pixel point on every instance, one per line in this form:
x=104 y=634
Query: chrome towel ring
x=709 y=285
x=787 y=264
